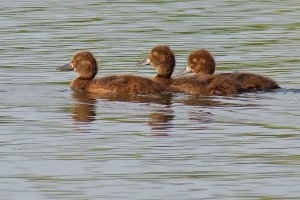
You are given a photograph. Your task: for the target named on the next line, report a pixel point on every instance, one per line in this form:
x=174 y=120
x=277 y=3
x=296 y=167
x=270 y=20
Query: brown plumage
x=253 y=82
x=85 y=65
x=201 y=62
x=163 y=60
x=206 y=85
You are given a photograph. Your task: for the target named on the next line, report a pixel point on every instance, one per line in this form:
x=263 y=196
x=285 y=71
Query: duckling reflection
x=200 y=101
x=160 y=120
x=199 y=109
x=84 y=110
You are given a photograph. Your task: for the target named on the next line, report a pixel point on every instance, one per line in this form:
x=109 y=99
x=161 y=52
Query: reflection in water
x=199 y=116
x=160 y=117
x=160 y=120
x=202 y=114
x=202 y=101
x=84 y=110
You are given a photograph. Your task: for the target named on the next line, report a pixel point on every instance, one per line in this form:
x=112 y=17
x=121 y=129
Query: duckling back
x=125 y=84
x=254 y=82
x=206 y=85
x=189 y=85
x=224 y=85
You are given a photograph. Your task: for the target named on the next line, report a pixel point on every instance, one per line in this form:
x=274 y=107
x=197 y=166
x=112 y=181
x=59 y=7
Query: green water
x=59 y=144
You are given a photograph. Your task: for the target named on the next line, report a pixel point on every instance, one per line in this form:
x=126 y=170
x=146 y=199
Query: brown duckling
x=202 y=63
x=85 y=65
x=163 y=60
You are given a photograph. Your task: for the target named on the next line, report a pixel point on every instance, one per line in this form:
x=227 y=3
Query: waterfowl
x=202 y=63
x=85 y=64
x=163 y=60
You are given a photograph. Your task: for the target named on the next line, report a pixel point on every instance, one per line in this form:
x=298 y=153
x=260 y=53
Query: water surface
x=59 y=144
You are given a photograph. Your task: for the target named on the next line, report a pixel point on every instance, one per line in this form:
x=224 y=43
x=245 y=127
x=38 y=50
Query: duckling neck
x=79 y=83
x=165 y=71
x=162 y=79
x=163 y=76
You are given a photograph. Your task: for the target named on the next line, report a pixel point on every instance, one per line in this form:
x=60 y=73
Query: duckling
x=85 y=64
x=163 y=60
x=202 y=63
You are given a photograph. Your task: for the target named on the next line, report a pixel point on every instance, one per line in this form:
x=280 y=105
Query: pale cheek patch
x=73 y=67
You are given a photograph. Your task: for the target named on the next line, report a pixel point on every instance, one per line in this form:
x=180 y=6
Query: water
x=59 y=144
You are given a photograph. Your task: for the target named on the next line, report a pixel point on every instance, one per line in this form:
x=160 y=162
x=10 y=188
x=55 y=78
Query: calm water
x=58 y=144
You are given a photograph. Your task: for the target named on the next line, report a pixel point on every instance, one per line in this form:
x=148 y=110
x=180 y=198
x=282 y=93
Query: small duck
x=163 y=60
x=85 y=64
x=202 y=63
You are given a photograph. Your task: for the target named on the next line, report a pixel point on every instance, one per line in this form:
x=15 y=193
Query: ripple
x=57 y=143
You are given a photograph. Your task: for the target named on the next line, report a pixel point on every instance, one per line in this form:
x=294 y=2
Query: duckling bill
x=66 y=67
x=144 y=62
